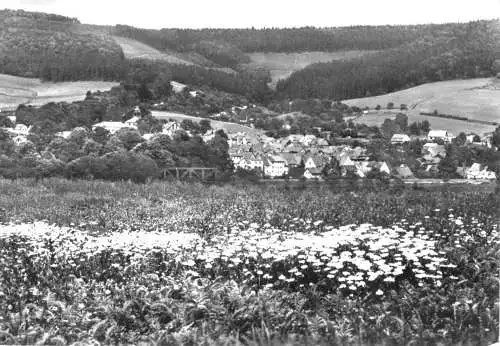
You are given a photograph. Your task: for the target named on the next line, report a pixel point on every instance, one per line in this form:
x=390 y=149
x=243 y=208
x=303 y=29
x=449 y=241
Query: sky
x=157 y=14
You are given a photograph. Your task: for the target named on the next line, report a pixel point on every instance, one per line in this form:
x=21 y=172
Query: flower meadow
x=173 y=265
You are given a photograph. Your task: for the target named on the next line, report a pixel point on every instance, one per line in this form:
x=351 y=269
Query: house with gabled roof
x=400 y=138
x=315 y=161
x=275 y=166
x=443 y=135
x=292 y=159
x=404 y=172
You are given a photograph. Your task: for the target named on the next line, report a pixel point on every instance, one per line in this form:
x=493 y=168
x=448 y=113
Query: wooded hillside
x=56 y=48
x=452 y=52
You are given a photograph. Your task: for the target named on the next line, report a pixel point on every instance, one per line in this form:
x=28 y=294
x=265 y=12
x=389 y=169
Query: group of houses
x=312 y=158
x=299 y=156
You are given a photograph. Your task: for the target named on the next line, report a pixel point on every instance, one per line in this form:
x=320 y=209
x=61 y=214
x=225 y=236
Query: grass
x=282 y=65
x=179 y=264
x=30 y=91
x=453 y=125
x=137 y=50
x=226 y=126
x=470 y=98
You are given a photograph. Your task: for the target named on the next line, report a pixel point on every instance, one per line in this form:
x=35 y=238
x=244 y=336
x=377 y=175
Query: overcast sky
x=158 y=14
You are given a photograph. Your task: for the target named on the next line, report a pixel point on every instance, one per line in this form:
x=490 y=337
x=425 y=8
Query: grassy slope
x=282 y=65
x=226 y=126
x=137 y=50
x=19 y=90
x=470 y=98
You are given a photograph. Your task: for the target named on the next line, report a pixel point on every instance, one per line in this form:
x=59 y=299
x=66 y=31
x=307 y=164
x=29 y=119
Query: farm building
x=177 y=87
x=404 y=172
x=443 y=135
x=400 y=138
x=113 y=126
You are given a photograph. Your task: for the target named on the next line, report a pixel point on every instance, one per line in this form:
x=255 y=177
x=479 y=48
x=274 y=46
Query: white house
x=399 y=138
x=177 y=87
x=113 y=126
x=477 y=172
x=18 y=140
x=443 y=135
x=275 y=166
x=170 y=128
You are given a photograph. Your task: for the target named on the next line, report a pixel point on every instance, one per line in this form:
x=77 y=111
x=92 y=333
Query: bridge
x=190 y=173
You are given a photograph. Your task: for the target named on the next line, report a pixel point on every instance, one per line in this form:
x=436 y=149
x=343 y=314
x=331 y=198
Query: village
x=316 y=156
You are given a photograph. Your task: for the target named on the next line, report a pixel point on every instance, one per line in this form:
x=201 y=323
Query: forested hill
x=452 y=52
x=56 y=48
x=285 y=40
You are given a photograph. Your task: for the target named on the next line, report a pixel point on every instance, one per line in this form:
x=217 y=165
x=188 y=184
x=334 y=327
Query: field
x=455 y=126
x=282 y=65
x=226 y=126
x=136 y=50
x=173 y=264
x=18 y=90
x=467 y=98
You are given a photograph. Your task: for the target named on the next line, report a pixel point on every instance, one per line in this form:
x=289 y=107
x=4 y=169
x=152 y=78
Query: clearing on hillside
x=282 y=65
x=226 y=126
x=30 y=91
x=475 y=99
x=137 y=50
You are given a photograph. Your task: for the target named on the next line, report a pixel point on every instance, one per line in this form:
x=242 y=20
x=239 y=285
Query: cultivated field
x=175 y=264
x=226 y=126
x=282 y=65
x=455 y=126
x=467 y=98
x=18 y=90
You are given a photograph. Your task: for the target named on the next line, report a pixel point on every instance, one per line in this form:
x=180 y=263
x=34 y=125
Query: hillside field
x=282 y=65
x=218 y=125
x=475 y=99
x=30 y=91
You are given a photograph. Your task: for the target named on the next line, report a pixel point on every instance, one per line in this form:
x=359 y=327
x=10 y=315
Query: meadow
x=176 y=264
x=282 y=65
x=455 y=126
x=472 y=98
x=31 y=91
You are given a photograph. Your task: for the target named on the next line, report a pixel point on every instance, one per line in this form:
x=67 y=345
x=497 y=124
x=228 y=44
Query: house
x=381 y=166
x=292 y=160
x=434 y=150
x=275 y=166
x=404 y=172
x=113 y=126
x=64 y=134
x=432 y=154
x=476 y=171
x=399 y=138
x=321 y=142
x=314 y=161
x=170 y=128
x=177 y=87
x=313 y=174
x=18 y=140
x=133 y=121
x=443 y=135
x=208 y=136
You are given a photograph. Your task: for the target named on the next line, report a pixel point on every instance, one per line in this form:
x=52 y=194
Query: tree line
x=468 y=51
